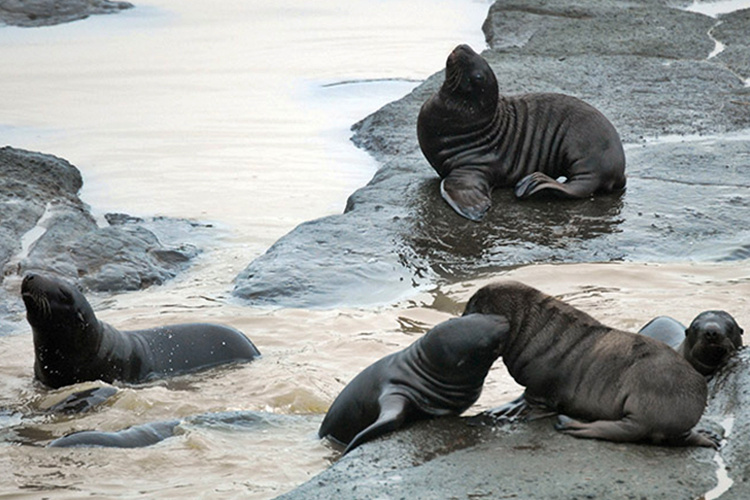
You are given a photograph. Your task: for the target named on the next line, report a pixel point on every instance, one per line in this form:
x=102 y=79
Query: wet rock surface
x=448 y=458
x=45 y=228
x=645 y=65
x=34 y=13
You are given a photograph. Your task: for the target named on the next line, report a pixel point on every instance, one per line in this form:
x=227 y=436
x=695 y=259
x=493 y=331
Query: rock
x=34 y=13
x=643 y=64
x=731 y=31
x=533 y=461
x=46 y=228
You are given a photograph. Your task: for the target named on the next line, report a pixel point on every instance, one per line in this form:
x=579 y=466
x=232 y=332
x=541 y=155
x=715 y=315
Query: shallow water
x=238 y=114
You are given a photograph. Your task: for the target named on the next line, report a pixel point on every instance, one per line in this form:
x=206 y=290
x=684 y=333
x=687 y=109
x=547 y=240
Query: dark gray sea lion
x=442 y=373
x=137 y=436
x=604 y=383
x=71 y=345
x=478 y=140
x=711 y=338
x=83 y=401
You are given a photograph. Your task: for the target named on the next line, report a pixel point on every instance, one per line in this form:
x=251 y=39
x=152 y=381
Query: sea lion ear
x=468 y=193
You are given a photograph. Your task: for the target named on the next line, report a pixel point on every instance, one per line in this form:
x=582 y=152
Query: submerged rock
x=644 y=65
x=34 y=13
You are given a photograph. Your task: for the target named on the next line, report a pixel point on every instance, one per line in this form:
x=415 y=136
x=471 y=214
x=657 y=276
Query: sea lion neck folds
x=605 y=383
x=477 y=140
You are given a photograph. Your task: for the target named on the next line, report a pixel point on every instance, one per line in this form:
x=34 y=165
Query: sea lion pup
x=442 y=373
x=477 y=140
x=71 y=345
x=604 y=383
x=710 y=340
x=137 y=436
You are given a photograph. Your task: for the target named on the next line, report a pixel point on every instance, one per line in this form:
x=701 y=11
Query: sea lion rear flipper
x=579 y=186
x=623 y=430
x=393 y=408
x=467 y=192
x=628 y=430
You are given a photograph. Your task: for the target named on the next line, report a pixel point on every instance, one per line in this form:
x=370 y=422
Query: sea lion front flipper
x=468 y=192
x=393 y=410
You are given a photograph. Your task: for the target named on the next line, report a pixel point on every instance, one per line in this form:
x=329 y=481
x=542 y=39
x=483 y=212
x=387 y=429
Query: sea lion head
x=465 y=353
x=58 y=313
x=710 y=339
x=470 y=86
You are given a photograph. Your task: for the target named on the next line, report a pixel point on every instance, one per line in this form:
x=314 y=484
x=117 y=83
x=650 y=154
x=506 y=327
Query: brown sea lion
x=71 y=345
x=711 y=339
x=440 y=374
x=604 y=383
x=477 y=140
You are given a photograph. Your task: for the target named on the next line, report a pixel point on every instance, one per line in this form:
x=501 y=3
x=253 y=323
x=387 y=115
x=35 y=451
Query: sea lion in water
x=477 y=140
x=137 y=436
x=711 y=338
x=442 y=373
x=622 y=386
x=71 y=345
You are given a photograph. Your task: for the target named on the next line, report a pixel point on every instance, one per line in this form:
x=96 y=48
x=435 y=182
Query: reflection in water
x=513 y=232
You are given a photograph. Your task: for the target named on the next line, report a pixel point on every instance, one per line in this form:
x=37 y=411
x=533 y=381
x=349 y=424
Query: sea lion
x=83 y=401
x=442 y=373
x=137 y=436
x=710 y=340
x=477 y=140
x=604 y=383
x=71 y=345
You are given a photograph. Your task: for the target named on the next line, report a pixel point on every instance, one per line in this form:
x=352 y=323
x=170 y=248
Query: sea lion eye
x=67 y=297
x=478 y=77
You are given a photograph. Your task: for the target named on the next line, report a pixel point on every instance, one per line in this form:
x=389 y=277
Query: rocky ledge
x=35 y=13
x=46 y=228
x=645 y=65
x=449 y=458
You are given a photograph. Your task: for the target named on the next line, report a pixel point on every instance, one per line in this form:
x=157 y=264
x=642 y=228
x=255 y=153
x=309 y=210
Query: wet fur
x=440 y=374
x=710 y=340
x=606 y=383
x=477 y=140
x=71 y=345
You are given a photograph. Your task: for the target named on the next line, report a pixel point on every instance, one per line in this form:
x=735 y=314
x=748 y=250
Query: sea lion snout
x=34 y=295
x=460 y=52
x=713 y=333
x=27 y=282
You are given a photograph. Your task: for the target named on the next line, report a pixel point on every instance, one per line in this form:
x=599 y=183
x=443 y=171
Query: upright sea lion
x=71 y=345
x=711 y=338
x=477 y=140
x=622 y=386
x=442 y=373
